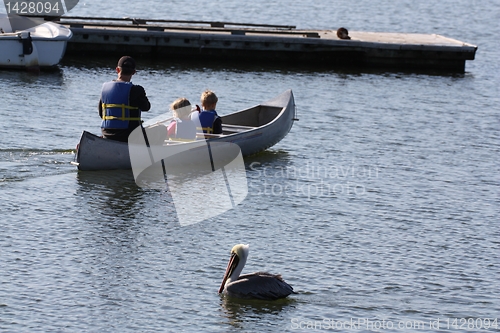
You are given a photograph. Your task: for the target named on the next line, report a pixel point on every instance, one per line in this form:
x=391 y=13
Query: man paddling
x=122 y=102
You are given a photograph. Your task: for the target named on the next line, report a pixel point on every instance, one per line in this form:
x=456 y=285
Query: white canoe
x=34 y=48
x=253 y=130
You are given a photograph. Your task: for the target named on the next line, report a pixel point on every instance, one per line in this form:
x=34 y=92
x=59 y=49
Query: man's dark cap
x=126 y=62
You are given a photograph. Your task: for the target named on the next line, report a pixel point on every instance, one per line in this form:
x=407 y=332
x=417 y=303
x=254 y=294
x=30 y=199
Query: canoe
x=254 y=129
x=37 y=47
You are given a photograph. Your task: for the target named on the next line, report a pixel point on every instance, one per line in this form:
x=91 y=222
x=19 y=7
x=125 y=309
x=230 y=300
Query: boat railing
x=236 y=128
x=202 y=136
x=233 y=28
x=141 y=21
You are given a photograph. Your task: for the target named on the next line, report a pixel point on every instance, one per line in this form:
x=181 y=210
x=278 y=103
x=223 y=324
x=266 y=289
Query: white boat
x=40 y=46
x=253 y=130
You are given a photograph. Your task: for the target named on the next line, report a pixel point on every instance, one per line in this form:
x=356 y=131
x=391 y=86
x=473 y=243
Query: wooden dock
x=263 y=43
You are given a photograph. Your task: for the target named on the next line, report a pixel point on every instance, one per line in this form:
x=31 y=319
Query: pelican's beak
x=233 y=262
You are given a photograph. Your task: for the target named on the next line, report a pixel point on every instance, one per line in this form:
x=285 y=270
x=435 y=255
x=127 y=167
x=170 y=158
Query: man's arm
x=99 y=107
x=138 y=98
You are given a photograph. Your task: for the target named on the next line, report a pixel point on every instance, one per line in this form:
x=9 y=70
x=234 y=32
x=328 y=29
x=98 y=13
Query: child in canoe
x=210 y=121
x=182 y=127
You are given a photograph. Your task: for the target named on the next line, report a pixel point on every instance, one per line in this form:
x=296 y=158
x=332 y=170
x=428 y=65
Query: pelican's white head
x=239 y=255
x=241 y=250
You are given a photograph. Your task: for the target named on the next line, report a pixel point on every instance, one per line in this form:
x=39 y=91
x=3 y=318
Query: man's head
x=126 y=65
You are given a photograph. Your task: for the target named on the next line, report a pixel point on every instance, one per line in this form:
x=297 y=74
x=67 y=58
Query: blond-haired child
x=182 y=127
x=209 y=119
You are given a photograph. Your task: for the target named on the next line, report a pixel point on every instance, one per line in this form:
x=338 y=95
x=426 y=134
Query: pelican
x=258 y=285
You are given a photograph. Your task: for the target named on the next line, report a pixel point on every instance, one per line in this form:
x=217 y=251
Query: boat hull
x=253 y=130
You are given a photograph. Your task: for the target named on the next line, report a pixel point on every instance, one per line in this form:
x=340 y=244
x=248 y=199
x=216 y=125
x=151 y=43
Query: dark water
x=381 y=206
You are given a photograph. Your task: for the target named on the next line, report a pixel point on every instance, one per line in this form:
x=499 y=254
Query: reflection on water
x=240 y=311
x=151 y=64
x=51 y=78
x=110 y=193
x=113 y=197
x=270 y=157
